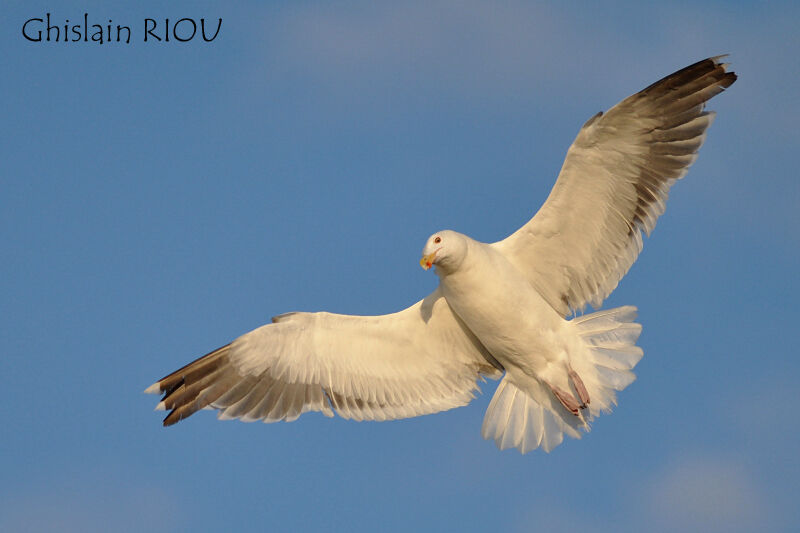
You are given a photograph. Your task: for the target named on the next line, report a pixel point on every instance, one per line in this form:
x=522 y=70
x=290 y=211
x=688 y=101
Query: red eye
x=437 y=240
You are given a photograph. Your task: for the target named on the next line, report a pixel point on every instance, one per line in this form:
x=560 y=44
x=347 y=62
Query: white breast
x=505 y=312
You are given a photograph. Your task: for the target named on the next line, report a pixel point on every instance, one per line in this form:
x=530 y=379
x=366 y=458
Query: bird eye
x=437 y=240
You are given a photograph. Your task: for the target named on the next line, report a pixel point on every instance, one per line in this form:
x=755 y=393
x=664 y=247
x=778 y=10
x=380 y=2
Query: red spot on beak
x=427 y=261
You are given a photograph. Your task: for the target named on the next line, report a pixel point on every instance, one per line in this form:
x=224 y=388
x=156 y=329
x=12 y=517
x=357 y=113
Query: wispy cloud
x=474 y=51
x=497 y=50
x=706 y=494
x=87 y=504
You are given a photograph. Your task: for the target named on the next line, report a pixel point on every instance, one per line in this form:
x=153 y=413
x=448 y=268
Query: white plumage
x=499 y=307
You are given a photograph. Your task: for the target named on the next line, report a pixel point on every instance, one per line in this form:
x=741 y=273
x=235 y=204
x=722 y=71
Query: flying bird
x=500 y=310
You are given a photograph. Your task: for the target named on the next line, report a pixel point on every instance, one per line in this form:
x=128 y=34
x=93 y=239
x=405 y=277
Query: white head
x=445 y=249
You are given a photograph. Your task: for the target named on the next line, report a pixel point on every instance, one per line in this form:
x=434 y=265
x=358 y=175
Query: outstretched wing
x=614 y=185
x=418 y=361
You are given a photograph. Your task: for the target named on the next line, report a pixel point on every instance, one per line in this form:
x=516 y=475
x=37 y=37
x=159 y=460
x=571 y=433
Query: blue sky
x=159 y=199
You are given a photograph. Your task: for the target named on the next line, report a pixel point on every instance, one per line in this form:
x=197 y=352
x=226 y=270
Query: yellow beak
x=427 y=261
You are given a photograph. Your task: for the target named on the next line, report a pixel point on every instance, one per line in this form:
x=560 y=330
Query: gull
x=501 y=310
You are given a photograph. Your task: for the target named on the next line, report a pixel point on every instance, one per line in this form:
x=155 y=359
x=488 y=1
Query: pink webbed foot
x=566 y=399
x=580 y=388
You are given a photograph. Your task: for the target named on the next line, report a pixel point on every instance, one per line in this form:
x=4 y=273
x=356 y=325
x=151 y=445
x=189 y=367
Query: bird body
x=510 y=318
x=500 y=308
x=546 y=357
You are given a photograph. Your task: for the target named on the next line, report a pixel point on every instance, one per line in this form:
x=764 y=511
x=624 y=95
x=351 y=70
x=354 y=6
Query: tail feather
x=526 y=415
x=609 y=354
x=617 y=358
x=515 y=420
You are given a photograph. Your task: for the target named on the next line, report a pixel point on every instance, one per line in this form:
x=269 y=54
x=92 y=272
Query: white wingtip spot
x=155 y=388
x=161 y=406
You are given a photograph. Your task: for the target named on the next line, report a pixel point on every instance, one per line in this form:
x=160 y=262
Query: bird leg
x=580 y=388
x=566 y=399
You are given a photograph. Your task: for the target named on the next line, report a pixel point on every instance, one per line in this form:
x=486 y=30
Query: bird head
x=445 y=249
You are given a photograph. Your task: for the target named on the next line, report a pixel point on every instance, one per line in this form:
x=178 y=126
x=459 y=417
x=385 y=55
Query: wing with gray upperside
x=420 y=360
x=613 y=185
